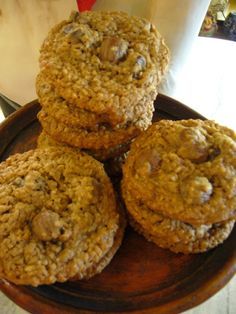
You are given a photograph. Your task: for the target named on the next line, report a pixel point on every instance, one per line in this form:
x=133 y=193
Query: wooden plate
x=141 y=278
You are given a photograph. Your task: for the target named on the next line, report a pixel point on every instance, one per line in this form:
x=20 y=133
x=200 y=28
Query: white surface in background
x=207 y=81
x=178 y=21
x=23 y=26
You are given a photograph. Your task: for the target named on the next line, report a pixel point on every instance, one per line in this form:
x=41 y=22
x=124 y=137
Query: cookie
x=59 y=216
x=67 y=113
x=105 y=62
x=117 y=152
x=62 y=110
x=174 y=234
x=185 y=170
x=104 y=138
x=216 y=235
x=97 y=269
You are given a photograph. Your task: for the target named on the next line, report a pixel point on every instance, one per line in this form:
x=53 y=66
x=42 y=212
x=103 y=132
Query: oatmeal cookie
x=104 y=138
x=174 y=234
x=185 y=170
x=67 y=113
x=216 y=235
x=113 y=158
x=97 y=269
x=105 y=62
x=58 y=216
x=45 y=140
x=62 y=110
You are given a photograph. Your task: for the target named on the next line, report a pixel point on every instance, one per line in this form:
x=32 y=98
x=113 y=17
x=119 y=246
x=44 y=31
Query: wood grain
x=141 y=278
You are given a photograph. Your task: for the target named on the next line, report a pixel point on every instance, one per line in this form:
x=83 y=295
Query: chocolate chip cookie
x=174 y=234
x=105 y=62
x=185 y=170
x=116 y=152
x=58 y=217
x=67 y=113
x=103 y=138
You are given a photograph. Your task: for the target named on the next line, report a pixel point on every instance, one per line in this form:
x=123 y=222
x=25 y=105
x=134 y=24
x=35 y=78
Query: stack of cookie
x=179 y=184
x=99 y=76
x=59 y=217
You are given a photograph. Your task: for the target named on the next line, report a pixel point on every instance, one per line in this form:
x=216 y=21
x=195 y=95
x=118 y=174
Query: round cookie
x=67 y=113
x=185 y=170
x=105 y=62
x=174 y=234
x=104 y=138
x=58 y=218
x=45 y=140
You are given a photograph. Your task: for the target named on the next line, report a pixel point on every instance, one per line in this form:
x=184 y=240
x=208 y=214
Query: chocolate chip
x=193 y=145
x=113 y=49
x=68 y=28
x=139 y=66
x=47 y=225
x=75 y=36
x=148 y=162
x=196 y=190
x=213 y=153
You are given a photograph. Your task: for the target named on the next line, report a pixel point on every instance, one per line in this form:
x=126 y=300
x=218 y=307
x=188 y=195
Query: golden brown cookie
x=97 y=269
x=185 y=170
x=45 y=141
x=174 y=234
x=216 y=235
x=105 y=62
x=59 y=216
x=67 y=113
x=117 y=152
x=104 y=138
x=62 y=110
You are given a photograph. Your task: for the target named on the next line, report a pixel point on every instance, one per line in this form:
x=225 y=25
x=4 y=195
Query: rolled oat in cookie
x=185 y=170
x=105 y=62
x=58 y=216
